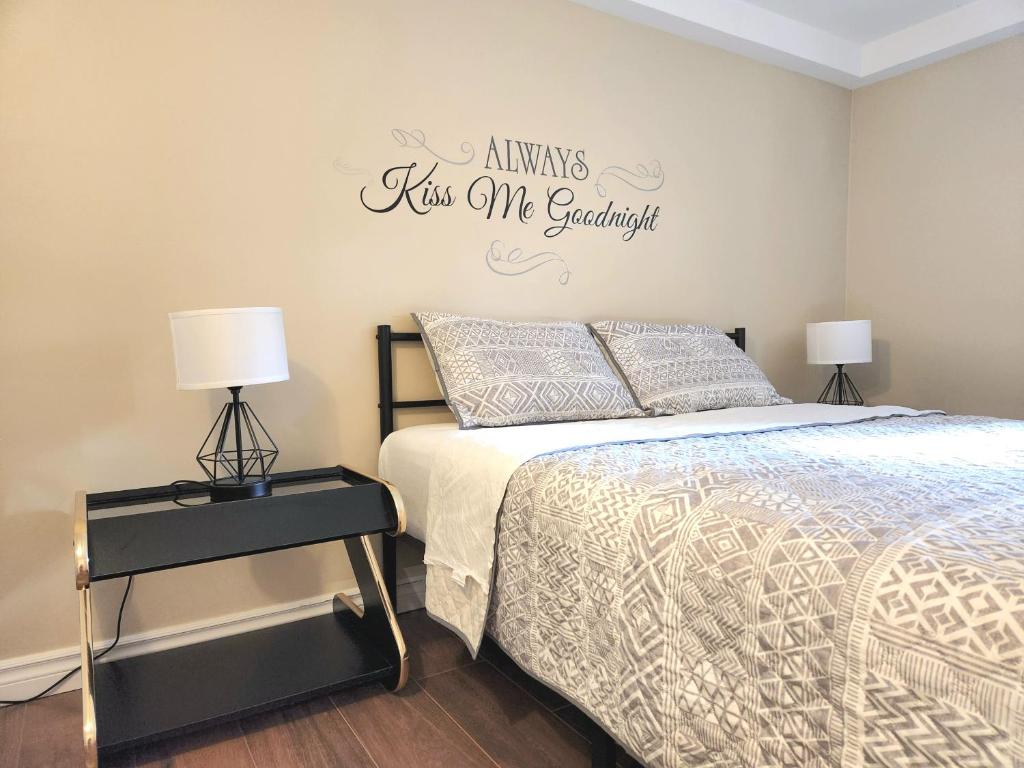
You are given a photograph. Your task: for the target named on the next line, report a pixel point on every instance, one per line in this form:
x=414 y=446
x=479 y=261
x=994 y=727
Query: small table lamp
x=839 y=343
x=232 y=348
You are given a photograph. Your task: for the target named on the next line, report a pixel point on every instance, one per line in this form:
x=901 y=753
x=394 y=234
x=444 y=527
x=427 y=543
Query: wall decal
x=514 y=263
x=342 y=167
x=416 y=139
x=516 y=183
x=644 y=179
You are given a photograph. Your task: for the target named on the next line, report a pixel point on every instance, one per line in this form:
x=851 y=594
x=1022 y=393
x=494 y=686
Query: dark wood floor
x=454 y=713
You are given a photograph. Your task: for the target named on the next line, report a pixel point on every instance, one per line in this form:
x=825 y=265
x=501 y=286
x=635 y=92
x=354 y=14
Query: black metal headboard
x=386 y=338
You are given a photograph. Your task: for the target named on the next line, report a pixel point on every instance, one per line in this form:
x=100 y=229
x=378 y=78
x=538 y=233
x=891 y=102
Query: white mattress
x=407 y=462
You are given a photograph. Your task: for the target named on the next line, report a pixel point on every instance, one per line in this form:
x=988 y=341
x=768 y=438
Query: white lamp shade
x=839 y=343
x=216 y=348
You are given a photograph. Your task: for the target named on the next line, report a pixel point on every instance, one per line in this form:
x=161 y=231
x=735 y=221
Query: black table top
x=154 y=536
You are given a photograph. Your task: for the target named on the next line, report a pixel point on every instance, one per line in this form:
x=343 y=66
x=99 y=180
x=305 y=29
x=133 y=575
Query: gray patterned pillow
x=496 y=373
x=684 y=368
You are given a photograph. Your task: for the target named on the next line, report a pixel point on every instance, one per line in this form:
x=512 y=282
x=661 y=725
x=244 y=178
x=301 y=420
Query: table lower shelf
x=147 y=697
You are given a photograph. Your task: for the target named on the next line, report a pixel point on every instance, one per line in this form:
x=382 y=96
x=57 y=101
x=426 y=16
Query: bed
x=803 y=585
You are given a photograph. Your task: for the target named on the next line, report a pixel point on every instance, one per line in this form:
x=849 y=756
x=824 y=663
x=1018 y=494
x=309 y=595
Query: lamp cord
x=100 y=655
x=180 y=485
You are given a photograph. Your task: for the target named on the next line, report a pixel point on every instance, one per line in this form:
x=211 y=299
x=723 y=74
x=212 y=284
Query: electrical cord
x=97 y=657
x=179 y=486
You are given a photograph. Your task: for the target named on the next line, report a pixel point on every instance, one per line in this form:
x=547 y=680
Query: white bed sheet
x=453 y=482
x=406 y=459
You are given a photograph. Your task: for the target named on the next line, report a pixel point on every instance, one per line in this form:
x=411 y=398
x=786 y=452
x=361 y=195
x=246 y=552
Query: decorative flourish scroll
x=417 y=139
x=349 y=170
x=514 y=263
x=646 y=179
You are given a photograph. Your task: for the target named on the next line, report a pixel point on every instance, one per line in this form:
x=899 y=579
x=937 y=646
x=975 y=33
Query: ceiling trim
x=940 y=37
x=760 y=34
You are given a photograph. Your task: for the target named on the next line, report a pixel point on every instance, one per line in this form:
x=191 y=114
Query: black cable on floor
x=100 y=655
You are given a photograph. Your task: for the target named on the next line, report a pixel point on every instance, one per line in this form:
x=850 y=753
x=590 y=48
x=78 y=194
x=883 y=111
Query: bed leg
x=390 y=568
x=602 y=747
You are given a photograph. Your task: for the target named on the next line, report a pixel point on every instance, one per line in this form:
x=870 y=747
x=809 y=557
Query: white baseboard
x=25 y=676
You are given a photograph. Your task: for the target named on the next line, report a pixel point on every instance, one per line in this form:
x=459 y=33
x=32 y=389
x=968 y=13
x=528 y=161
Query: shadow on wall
x=874 y=379
x=28 y=569
x=25 y=569
x=801 y=387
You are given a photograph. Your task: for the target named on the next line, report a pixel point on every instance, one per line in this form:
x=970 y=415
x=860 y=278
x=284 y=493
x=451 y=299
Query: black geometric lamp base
x=840 y=390
x=237 y=453
x=228 y=490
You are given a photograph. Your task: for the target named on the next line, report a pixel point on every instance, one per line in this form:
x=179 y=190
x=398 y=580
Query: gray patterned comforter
x=825 y=596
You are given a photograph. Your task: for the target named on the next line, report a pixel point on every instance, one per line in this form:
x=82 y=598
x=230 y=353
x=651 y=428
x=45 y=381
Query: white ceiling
x=859 y=21
x=847 y=42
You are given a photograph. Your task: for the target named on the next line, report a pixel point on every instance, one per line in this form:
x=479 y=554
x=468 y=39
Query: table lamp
x=839 y=343
x=232 y=348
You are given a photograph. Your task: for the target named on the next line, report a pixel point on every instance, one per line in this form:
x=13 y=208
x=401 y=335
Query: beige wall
x=936 y=233
x=173 y=155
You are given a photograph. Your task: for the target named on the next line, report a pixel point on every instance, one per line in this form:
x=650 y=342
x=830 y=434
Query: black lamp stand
x=237 y=463
x=840 y=390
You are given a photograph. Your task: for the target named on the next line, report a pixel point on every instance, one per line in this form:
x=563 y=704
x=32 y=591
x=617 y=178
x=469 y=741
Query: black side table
x=138 y=699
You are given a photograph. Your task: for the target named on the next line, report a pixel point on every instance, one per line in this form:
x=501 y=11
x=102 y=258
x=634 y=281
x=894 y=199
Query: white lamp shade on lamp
x=839 y=343
x=216 y=348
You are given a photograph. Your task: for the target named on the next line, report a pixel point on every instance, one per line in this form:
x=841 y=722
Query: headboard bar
x=386 y=379
x=386 y=383
x=385 y=394
x=739 y=335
